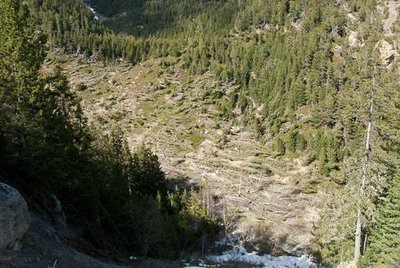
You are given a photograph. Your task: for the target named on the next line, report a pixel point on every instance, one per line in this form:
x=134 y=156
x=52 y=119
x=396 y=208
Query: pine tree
x=147 y=178
x=385 y=239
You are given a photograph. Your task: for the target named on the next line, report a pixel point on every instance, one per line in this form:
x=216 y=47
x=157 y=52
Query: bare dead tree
x=363 y=174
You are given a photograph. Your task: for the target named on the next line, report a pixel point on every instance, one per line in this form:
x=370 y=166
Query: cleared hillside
x=274 y=107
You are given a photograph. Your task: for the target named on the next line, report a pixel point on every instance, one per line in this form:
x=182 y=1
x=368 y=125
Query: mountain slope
x=311 y=101
x=269 y=103
x=183 y=127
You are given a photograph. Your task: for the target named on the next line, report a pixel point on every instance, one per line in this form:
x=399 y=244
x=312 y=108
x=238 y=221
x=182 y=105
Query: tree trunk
x=363 y=177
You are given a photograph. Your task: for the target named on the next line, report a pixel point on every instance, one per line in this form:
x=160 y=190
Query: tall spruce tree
x=385 y=239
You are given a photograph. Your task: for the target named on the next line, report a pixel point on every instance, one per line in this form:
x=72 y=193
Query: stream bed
x=237 y=254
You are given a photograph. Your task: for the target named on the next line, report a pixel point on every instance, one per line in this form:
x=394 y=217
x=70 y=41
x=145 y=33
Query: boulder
x=14 y=217
x=206 y=149
x=388 y=52
x=353 y=39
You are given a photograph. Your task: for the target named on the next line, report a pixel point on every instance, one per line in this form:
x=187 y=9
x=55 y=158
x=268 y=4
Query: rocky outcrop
x=353 y=39
x=14 y=217
x=388 y=52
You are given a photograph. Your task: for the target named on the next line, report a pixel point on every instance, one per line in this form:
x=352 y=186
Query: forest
x=119 y=197
x=300 y=85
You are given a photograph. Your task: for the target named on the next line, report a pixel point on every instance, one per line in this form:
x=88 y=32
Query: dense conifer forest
x=297 y=82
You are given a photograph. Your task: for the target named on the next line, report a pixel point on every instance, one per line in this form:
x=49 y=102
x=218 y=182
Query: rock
x=388 y=52
x=353 y=39
x=14 y=217
x=179 y=97
x=206 y=149
x=350 y=264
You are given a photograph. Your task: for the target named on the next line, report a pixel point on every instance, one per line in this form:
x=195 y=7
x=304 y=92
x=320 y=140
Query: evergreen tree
x=147 y=178
x=385 y=239
x=113 y=196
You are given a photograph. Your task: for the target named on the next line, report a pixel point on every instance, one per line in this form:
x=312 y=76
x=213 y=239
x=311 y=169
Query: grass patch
x=117 y=116
x=196 y=138
x=147 y=107
x=310 y=187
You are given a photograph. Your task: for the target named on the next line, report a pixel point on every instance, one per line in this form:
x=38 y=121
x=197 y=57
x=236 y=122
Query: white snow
x=239 y=254
x=94 y=12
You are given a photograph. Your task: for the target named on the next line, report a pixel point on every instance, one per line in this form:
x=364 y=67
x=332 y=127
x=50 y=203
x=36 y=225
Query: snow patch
x=239 y=254
x=94 y=12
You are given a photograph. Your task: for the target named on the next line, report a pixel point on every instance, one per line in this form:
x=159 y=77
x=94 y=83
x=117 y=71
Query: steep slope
x=176 y=114
x=266 y=102
x=43 y=247
x=117 y=198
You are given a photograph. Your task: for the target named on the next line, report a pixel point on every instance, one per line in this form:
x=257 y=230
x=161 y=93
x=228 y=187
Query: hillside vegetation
x=295 y=82
x=115 y=196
